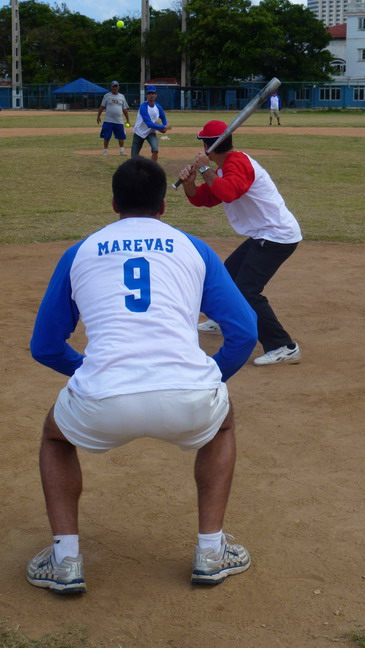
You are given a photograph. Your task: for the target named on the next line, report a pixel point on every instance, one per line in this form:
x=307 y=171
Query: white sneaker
x=65 y=578
x=122 y=153
x=104 y=152
x=283 y=354
x=210 y=568
x=209 y=326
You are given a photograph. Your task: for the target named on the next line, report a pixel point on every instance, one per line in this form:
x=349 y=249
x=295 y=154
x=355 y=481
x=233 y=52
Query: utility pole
x=16 y=76
x=185 y=76
x=145 y=63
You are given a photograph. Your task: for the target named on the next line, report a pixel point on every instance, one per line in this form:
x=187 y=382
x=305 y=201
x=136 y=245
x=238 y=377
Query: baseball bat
x=245 y=113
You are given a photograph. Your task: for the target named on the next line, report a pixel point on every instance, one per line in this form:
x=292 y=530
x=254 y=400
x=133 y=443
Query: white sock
x=121 y=149
x=65 y=545
x=210 y=541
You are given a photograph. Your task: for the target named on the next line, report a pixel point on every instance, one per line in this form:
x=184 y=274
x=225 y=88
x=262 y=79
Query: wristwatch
x=202 y=169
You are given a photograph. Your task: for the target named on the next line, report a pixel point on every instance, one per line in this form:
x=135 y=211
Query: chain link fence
x=294 y=95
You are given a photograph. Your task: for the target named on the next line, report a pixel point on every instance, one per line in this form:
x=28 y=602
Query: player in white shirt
x=147 y=123
x=255 y=209
x=274 y=107
x=138 y=285
x=115 y=105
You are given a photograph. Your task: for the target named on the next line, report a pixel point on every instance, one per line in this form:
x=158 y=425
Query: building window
x=362 y=54
x=359 y=93
x=303 y=94
x=362 y=24
x=329 y=94
x=338 y=66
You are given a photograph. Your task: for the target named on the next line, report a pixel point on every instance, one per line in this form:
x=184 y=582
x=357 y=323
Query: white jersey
x=139 y=285
x=274 y=102
x=147 y=118
x=261 y=212
x=114 y=105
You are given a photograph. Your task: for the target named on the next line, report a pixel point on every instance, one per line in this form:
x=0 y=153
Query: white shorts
x=187 y=418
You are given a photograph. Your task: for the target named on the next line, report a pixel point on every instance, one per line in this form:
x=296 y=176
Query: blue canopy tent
x=79 y=94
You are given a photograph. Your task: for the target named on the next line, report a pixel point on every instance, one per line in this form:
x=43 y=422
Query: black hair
x=139 y=187
x=225 y=146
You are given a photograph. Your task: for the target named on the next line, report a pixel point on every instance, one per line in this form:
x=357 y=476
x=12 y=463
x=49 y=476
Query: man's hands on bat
x=201 y=159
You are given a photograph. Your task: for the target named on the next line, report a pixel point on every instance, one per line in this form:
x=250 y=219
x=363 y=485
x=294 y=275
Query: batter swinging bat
x=245 y=113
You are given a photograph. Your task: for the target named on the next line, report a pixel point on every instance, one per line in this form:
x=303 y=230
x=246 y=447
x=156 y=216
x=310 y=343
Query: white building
x=355 y=40
x=331 y=12
x=337 y=47
x=348 y=45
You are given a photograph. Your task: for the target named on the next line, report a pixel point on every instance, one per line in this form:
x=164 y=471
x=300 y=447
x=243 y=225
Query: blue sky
x=104 y=9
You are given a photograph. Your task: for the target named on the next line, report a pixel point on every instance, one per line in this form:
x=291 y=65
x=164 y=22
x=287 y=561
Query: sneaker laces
x=234 y=557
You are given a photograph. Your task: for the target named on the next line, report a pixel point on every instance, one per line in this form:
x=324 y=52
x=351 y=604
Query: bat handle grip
x=177 y=184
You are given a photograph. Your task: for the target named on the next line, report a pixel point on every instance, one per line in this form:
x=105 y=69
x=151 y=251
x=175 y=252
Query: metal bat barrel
x=245 y=113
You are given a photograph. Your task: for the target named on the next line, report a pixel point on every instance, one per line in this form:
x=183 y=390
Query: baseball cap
x=114 y=83
x=213 y=128
x=151 y=88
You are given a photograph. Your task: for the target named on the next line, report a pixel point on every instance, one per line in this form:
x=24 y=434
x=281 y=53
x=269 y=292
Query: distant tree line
x=226 y=41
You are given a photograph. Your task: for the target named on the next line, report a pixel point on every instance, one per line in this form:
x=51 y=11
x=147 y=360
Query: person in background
x=274 y=107
x=115 y=106
x=147 y=124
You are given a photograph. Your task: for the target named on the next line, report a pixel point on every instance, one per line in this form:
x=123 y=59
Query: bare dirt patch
x=297 y=499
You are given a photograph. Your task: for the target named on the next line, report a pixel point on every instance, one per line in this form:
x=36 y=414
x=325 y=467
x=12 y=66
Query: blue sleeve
x=225 y=304
x=162 y=114
x=146 y=118
x=56 y=320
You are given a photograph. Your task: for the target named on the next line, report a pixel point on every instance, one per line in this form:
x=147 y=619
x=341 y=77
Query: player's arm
x=98 y=117
x=147 y=119
x=125 y=107
x=163 y=118
x=224 y=303
x=56 y=320
x=199 y=196
x=238 y=177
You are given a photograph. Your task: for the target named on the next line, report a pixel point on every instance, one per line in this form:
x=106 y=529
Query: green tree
x=117 y=51
x=75 y=46
x=230 y=40
x=288 y=42
x=162 y=44
x=5 y=41
x=217 y=40
x=39 y=41
x=59 y=45
x=226 y=41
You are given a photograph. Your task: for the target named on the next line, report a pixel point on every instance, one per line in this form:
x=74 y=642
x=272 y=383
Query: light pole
x=145 y=64
x=185 y=75
x=183 y=57
x=16 y=76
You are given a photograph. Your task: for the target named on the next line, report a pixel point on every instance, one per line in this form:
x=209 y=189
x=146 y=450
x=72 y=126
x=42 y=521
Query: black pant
x=251 y=266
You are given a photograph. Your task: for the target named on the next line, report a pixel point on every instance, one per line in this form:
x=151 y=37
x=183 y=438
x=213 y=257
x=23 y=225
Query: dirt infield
x=297 y=499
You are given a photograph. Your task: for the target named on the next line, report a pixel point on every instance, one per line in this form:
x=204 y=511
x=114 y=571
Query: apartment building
x=331 y=12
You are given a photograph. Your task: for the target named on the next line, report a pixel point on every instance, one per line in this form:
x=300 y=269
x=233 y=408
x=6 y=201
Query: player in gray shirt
x=115 y=105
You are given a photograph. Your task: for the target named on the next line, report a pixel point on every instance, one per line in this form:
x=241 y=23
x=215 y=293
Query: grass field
x=295 y=118
x=52 y=192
